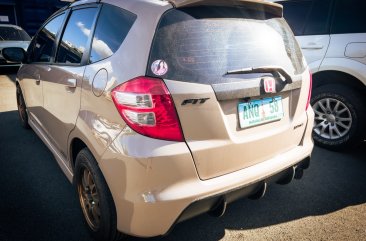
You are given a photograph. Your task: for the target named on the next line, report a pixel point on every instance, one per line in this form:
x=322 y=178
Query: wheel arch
x=327 y=77
x=76 y=145
x=18 y=85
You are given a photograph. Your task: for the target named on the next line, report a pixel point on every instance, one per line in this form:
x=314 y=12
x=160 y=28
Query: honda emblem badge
x=269 y=85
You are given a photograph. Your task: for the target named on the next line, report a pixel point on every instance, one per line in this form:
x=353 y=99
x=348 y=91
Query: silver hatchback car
x=159 y=111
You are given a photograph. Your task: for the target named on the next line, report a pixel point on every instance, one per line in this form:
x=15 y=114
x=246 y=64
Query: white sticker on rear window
x=159 y=67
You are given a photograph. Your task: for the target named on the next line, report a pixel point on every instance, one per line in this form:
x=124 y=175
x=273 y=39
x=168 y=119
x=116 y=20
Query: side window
x=74 y=40
x=296 y=13
x=44 y=42
x=319 y=19
x=349 y=17
x=112 y=28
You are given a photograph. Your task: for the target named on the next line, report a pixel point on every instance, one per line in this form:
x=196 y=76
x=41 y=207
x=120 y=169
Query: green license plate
x=257 y=112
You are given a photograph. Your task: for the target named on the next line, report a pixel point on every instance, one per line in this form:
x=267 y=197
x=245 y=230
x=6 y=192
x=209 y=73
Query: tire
x=22 y=109
x=95 y=198
x=340 y=117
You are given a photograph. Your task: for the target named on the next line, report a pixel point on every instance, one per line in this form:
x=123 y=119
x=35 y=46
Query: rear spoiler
x=273 y=8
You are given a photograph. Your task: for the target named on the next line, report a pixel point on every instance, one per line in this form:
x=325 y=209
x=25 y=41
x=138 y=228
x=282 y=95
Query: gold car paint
x=152 y=181
x=218 y=144
x=171 y=180
x=61 y=102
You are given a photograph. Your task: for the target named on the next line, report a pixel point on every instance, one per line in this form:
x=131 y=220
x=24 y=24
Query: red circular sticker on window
x=159 y=67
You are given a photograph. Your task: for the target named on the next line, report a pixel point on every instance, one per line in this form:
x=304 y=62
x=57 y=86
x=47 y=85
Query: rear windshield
x=13 y=34
x=201 y=44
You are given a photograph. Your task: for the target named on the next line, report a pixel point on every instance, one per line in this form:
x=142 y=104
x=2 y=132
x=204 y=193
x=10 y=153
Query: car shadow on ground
x=38 y=203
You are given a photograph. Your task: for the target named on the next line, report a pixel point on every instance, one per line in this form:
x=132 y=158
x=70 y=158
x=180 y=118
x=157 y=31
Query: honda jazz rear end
x=202 y=103
x=221 y=110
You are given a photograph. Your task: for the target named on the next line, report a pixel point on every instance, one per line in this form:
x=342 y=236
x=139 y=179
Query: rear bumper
x=216 y=204
x=156 y=187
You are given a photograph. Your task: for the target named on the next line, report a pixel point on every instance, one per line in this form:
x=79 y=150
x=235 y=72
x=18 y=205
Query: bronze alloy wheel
x=95 y=198
x=89 y=198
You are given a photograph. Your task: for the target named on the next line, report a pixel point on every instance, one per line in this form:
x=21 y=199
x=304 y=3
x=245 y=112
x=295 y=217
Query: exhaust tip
x=260 y=193
x=288 y=177
x=305 y=164
x=299 y=173
x=219 y=209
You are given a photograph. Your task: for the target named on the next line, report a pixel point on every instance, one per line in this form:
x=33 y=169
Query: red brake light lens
x=147 y=107
x=310 y=89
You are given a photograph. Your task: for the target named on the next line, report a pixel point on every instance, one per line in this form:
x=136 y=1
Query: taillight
x=310 y=89
x=147 y=107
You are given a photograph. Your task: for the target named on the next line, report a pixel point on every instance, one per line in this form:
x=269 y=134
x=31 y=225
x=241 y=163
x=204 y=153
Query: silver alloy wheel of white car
x=333 y=119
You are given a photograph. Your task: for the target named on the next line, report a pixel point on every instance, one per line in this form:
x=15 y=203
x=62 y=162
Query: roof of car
x=185 y=3
x=181 y=3
x=271 y=7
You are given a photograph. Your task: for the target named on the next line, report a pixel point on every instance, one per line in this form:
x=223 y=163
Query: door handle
x=71 y=83
x=312 y=46
x=38 y=79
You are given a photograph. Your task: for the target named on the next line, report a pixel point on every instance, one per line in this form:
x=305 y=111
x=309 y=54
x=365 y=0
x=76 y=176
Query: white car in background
x=12 y=36
x=332 y=35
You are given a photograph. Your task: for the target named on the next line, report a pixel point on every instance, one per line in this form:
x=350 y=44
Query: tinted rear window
x=13 y=34
x=200 y=44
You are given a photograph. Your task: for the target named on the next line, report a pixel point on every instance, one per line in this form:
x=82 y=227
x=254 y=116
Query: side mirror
x=14 y=54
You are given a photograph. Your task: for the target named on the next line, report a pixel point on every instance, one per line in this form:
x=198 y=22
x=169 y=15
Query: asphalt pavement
x=38 y=203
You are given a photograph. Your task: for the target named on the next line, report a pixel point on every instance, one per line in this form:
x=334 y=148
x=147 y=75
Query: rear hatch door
x=238 y=80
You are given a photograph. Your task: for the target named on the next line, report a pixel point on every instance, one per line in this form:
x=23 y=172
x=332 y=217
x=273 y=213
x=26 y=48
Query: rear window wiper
x=275 y=70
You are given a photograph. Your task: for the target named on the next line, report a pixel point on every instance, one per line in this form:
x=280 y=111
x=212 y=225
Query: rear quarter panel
x=99 y=122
